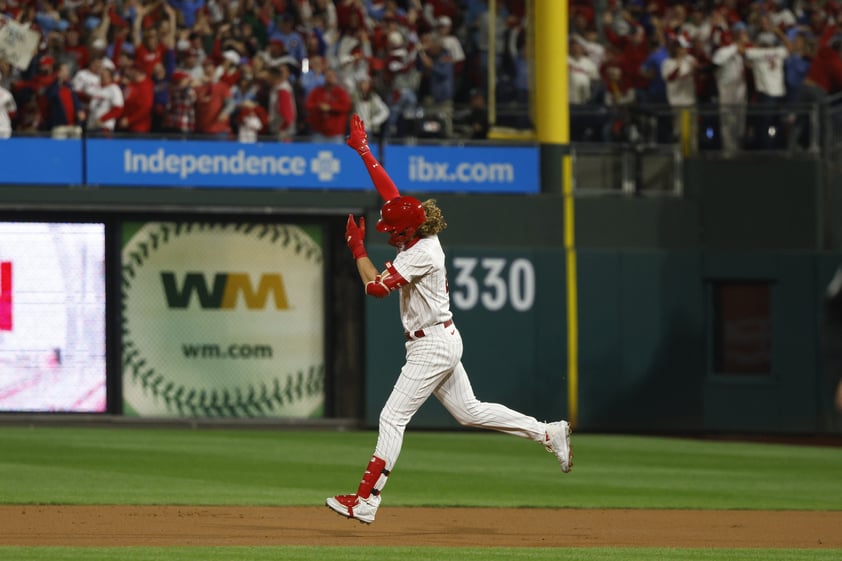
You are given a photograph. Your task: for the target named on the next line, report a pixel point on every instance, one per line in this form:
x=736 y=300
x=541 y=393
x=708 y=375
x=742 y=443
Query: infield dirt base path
x=104 y=526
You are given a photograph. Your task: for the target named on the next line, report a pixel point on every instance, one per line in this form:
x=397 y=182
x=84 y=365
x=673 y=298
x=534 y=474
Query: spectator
x=437 y=80
x=106 y=104
x=246 y=89
x=595 y=50
x=452 y=44
x=582 y=77
x=160 y=95
x=282 y=108
x=191 y=63
x=619 y=94
x=139 y=103
x=519 y=63
x=354 y=66
x=229 y=71
x=731 y=86
x=478 y=116
x=292 y=40
x=698 y=26
x=824 y=78
x=275 y=53
x=582 y=74
x=767 y=66
x=797 y=64
x=370 y=107
x=483 y=27
x=251 y=120
x=328 y=107
x=87 y=79
x=77 y=52
x=349 y=39
x=679 y=72
x=632 y=45
x=214 y=104
x=655 y=91
x=65 y=112
x=150 y=49
x=243 y=39
x=402 y=79
x=8 y=107
x=196 y=44
x=180 y=114
x=313 y=76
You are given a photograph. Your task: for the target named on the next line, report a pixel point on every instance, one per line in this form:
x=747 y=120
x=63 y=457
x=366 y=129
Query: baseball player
x=433 y=343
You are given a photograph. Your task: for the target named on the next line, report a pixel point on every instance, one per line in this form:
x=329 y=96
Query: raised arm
x=358 y=140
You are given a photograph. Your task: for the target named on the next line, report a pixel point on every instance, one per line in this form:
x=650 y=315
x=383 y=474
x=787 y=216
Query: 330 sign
x=493 y=282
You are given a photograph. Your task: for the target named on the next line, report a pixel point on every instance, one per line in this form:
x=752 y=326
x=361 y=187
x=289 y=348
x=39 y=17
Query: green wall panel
x=785 y=400
x=641 y=340
x=757 y=203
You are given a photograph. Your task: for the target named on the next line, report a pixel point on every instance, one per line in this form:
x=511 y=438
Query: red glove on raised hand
x=354 y=236
x=358 y=140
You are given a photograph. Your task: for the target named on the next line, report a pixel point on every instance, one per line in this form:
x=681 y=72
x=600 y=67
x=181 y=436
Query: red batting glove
x=358 y=140
x=354 y=236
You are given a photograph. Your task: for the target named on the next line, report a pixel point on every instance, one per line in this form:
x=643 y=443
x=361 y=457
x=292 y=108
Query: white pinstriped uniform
x=434 y=362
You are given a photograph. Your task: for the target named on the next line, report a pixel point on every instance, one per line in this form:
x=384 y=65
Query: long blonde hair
x=435 y=220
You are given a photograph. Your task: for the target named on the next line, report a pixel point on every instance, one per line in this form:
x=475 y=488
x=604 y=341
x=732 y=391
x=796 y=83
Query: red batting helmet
x=401 y=217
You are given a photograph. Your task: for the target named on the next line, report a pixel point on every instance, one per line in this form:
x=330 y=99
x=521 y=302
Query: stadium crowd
x=760 y=62
x=291 y=68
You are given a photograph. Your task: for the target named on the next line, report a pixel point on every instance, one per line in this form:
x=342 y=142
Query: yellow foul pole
x=552 y=127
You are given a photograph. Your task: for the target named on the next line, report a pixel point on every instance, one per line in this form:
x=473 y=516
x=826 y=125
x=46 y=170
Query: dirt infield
x=446 y=527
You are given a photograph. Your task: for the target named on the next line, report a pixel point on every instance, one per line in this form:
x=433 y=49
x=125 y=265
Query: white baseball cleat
x=352 y=506
x=557 y=441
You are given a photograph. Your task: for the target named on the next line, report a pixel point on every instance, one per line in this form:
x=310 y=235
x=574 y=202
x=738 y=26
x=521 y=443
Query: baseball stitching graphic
x=222 y=319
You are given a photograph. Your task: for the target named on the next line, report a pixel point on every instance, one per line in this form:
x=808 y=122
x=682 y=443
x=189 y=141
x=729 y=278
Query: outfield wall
x=665 y=340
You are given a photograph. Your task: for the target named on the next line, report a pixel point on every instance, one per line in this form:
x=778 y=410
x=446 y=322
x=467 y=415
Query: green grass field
x=118 y=465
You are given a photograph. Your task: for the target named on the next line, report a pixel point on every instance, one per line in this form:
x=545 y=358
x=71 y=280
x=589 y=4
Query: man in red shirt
x=151 y=48
x=214 y=103
x=137 y=107
x=328 y=107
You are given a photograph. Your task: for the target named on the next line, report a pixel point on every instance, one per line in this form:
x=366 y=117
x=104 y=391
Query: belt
x=420 y=333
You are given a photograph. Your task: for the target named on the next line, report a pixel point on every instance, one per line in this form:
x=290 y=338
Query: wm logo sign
x=224 y=290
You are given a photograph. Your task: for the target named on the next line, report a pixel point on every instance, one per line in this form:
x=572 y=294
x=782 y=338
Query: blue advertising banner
x=193 y=163
x=455 y=169
x=197 y=163
x=41 y=161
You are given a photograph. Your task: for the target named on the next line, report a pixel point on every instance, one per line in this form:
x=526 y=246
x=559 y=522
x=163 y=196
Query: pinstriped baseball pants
x=433 y=366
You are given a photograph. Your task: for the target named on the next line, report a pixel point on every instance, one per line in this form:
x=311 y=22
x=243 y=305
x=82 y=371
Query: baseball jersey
x=582 y=73
x=103 y=100
x=681 y=84
x=84 y=82
x=425 y=301
x=767 y=66
x=730 y=75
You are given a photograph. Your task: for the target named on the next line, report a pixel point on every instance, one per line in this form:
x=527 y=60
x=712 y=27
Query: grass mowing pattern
x=268 y=467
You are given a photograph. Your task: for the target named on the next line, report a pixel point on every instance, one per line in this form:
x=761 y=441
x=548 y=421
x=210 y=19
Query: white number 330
x=491 y=286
